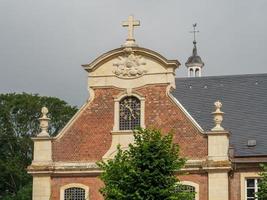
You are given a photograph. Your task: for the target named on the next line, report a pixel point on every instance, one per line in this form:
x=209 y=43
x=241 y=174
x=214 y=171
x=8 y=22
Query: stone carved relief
x=130 y=65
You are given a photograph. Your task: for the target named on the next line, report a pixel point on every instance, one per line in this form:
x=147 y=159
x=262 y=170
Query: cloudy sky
x=44 y=42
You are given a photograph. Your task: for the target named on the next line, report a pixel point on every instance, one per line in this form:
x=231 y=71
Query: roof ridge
x=224 y=76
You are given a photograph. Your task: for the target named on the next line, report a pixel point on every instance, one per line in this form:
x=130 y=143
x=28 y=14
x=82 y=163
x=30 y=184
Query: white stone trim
x=142 y=51
x=218 y=146
x=218 y=185
x=41 y=187
x=76 y=116
x=147 y=79
x=184 y=110
x=123 y=137
x=78 y=185
x=195 y=185
x=92 y=167
x=243 y=177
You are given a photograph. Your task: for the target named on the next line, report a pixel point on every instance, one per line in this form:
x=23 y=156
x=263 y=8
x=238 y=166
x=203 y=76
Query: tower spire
x=194 y=63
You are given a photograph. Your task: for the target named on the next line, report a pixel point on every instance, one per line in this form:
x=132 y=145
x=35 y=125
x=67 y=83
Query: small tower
x=194 y=63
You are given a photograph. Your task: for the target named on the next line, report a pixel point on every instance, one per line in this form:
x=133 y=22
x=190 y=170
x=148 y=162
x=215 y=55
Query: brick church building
x=134 y=86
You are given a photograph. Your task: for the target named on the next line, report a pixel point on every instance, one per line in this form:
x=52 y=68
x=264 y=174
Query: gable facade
x=67 y=162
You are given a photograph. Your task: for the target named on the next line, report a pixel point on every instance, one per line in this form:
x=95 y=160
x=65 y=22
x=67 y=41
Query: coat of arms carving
x=130 y=65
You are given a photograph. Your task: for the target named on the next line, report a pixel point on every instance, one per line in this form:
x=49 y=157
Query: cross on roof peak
x=194 y=32
x=130 y=23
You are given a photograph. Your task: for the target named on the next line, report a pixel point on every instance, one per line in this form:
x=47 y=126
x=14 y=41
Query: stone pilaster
x=42 y=156
x=218 y=147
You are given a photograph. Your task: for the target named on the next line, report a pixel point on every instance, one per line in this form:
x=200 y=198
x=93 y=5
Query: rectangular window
x=251 y=188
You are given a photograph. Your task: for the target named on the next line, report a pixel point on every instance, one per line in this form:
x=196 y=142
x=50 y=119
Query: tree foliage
x=145 y=171
x=262 y=194
x=19 y=115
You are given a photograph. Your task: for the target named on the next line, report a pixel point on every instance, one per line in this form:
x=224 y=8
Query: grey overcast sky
x=44 y=42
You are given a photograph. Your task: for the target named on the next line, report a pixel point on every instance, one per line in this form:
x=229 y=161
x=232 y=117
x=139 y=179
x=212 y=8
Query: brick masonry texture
x=234 y=186
x=201 y=180
x=93 y=183
x=162 y=113
x=89 y=138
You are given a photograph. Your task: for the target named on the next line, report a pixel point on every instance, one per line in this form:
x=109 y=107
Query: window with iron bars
x=74 y=193
x=129 y=113
x=185 y=188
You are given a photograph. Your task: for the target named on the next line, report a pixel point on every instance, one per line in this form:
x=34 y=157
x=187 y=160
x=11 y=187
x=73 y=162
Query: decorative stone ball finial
x=44 y=122
x=217 y=117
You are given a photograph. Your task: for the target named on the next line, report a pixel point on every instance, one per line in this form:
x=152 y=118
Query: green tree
x=262 y=194
x=146 y=171
x=19 y=115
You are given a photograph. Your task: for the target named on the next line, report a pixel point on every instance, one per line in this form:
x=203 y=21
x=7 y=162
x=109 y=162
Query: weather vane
x=194 y=31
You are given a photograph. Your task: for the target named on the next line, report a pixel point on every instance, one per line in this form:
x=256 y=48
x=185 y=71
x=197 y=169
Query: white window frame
x=116 y=127
x=243 y=182
x=255 y=187
x=71 y=185
x=193 y=184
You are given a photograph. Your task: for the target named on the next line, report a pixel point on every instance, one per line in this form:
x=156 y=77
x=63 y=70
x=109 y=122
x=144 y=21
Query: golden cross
x=131 y=23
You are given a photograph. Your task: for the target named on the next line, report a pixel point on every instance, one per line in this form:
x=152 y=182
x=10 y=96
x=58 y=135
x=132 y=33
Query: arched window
x=191 y=72
x=190 y=187
x=130 y=113
x=74 y=193
x=197 y=73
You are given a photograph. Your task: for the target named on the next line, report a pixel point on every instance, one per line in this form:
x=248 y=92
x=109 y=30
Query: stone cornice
x=119 y=51
x=91 y=168
x=218 y=133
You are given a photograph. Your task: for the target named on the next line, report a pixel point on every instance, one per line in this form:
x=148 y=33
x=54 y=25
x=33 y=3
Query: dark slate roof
x=244 y=99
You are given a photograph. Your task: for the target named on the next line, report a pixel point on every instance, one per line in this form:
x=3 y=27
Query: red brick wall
x=88 y=139
x=201 y=180
x=93 y=183
x=235 y=181
x=162 y=113
x=234 y=186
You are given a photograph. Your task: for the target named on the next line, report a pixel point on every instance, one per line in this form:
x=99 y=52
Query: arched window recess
x=74 y=191
x=129 y=111
x=189 y=187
